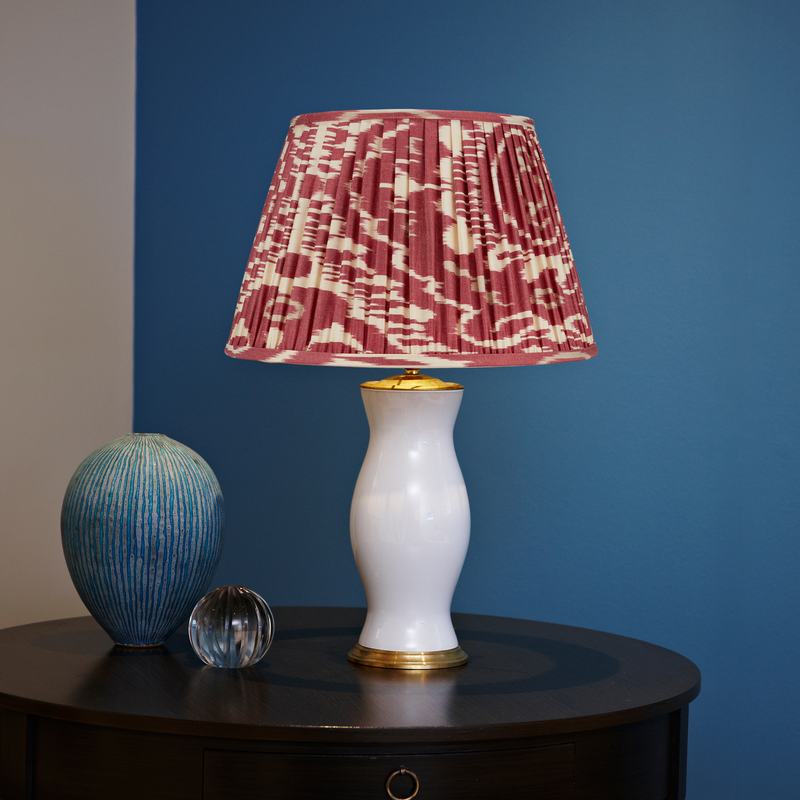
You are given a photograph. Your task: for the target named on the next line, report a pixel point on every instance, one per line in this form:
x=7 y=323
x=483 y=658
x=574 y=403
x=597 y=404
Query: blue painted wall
x=652 y=491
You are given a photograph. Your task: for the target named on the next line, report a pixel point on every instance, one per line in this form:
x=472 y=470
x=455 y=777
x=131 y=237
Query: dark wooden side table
x=540 y=711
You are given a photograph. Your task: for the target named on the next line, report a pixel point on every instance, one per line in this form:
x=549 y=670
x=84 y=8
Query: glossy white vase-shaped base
x=409 y=527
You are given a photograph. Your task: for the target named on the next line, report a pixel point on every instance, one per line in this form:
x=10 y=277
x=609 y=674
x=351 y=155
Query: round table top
x=523 y=679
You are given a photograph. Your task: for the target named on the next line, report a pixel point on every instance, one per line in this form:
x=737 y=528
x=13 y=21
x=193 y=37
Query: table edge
x=481 y=733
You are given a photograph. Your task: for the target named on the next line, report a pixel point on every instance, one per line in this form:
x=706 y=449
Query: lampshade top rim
x=408 y=113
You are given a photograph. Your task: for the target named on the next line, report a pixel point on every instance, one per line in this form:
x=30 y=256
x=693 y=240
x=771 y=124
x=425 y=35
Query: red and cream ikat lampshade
x=411 y=239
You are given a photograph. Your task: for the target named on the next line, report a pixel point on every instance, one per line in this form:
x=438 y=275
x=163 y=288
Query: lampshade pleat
x=309 y=228
x=531 y=234
x=376 y=280
x=400 y=277
x=482 y=212
x=447 y=267
x=413 y=239
x=505 y=246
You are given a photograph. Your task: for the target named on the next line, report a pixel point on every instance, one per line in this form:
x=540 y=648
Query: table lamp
x=414 y=239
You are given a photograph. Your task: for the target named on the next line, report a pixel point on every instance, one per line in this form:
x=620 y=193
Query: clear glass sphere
x=231 y=627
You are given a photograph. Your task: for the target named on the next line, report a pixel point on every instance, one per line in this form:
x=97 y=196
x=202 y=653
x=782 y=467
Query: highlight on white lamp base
x=409 y=524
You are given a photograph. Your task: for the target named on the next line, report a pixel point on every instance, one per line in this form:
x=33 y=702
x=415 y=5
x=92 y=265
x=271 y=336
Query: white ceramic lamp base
x=409 y=527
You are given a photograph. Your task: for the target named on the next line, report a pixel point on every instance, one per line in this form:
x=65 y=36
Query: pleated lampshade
x=411 y=239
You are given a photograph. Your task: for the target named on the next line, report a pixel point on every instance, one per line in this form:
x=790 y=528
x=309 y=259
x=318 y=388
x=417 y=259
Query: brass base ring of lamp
x=393 y=659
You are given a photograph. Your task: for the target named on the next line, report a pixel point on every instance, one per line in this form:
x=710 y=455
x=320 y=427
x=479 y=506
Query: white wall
x=67 y=90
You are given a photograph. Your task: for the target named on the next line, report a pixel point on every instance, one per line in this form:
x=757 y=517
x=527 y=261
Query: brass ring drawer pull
x=402 y=771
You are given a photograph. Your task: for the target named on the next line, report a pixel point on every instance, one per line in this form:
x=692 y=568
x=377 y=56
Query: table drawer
x=544 y=773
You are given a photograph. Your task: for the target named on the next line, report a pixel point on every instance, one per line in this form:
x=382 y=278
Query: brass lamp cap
x=411 y=380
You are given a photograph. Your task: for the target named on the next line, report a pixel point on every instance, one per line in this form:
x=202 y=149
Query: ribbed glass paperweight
x=231 y=627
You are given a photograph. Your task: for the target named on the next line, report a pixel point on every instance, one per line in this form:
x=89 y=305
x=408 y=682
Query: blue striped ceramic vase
x=141 y=527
